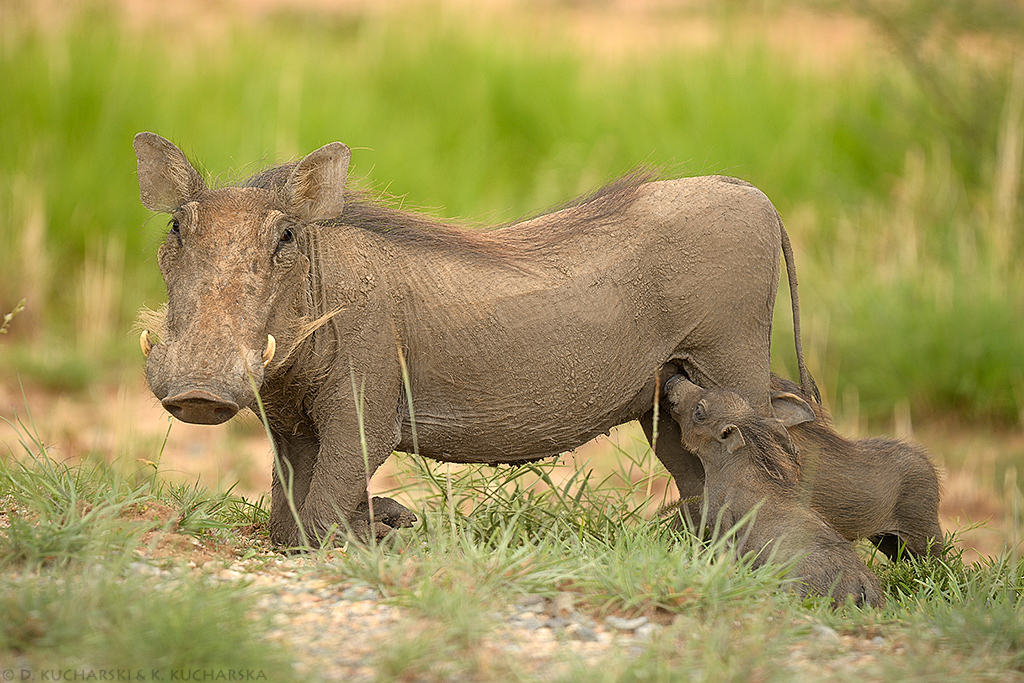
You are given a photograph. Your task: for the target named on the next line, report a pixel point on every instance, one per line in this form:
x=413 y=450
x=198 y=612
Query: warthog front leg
x=684 y=466
x=292 y=472
x=294 y=496
x=358 y=428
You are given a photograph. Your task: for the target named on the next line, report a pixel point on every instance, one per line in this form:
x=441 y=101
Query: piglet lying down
x=885 y=490
x=750 y=461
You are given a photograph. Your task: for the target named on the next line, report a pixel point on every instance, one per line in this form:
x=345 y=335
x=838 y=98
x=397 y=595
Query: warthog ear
x=166 y=178
x=316 y=188
x=732 y=437
x=791 y=409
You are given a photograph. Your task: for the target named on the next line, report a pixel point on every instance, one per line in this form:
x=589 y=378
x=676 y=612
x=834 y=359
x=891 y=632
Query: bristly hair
x=768 y=453
x=608 y=200
x=506 y=244
x=377 y=216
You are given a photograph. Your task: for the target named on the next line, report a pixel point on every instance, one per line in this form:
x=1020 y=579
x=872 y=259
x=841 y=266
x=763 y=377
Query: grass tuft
x=108 y=621
x=58 y=513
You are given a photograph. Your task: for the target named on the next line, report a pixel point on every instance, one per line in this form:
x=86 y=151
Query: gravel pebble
x=530 y=603
x=822 y=632
x=338 y=630
x=646 y=631
x=530 y=623
x=581 y=632
x=625 y=624
x=562 y=605
x=557 y=623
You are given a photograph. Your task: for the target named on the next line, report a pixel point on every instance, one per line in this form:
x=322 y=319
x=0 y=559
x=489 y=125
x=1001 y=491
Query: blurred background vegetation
x=889 y=133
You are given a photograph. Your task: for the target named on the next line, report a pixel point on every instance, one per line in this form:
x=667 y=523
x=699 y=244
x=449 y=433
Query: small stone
x=144 y=568
x=878 y=640
x=623 y=624
x=581 y=633
x=556 y=623
x=822 y=632
x=646 y=631
x=530 y=603
x=561 y=606
x=530 y=624
x=353 y=593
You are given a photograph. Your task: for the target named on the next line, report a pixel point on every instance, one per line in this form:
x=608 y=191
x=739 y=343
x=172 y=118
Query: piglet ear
x=166 y=178
x=732 y=437
x=316 y=187
x=791 y=409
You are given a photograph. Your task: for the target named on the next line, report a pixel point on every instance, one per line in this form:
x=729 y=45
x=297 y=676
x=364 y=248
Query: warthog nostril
x=200 y=407
x=672 y=381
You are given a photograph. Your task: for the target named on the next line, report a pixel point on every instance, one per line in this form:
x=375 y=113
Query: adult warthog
x=366 y=329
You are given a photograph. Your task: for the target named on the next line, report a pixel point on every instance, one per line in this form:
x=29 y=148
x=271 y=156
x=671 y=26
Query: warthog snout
x=200 y=407
x=679 y=392
x=202 y=383
x=672 y=381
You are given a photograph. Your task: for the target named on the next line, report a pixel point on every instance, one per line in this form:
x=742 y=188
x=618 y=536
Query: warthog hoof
x=388 y=515
x=857 y=583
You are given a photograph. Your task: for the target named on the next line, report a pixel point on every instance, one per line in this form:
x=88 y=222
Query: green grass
x=57 y=513
x=722 y=619
x=890 y=206
x=73 y=594
x=80 y=590
x=101 y=621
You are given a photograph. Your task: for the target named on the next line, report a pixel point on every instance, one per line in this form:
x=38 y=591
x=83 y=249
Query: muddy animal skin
x=366 y=329
x=748 y=464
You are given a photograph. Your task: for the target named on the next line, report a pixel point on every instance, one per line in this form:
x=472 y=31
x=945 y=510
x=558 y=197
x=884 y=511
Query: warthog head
x=717 y=424
x=234 y=265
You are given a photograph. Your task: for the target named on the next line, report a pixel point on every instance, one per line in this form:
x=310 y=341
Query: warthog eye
x=176 y=230
x=287 y=237
x=700 y=411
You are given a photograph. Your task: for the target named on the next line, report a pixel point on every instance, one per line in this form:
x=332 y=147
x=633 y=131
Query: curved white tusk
x=144 y=342
x=268 y=355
